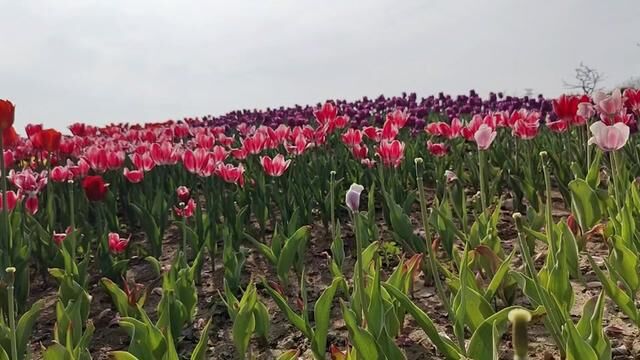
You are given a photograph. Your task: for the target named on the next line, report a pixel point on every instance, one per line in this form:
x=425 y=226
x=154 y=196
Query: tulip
x=391 y=153
x=7 y=114
x=9 y=137
x=567 y=108
x=352 y=137
x=12 y=200
x=9 y=158
x=352 y=197
x=95 y=188
x=60 y=174
x=185 y=209
x=274 y=167
x=183 y=194
x=164 y=154
x=520 y=319
x=58 y=238
x=398 y=118
x=609 y=137
x=484 y=136
x=231 y=174
x=133 y=176
x=632 y=100
x=437 y=149
x=558 y=126
x=254 y=144
x=608 y=105
x=48 y=139
x=117 y=245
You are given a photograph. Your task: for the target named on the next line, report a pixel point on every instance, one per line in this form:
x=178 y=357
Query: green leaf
x=586 y=203
x=24 y=327
x=264 y=249
x=295 y=319
x=322 y=314
x=289 y=355
x=57 y=352
x=122 y=355
x=621 y=299
x=200 y=351
x=577 y=347
x=498 y=278
x=296 y=242
x=362 y=340
x=444 y=345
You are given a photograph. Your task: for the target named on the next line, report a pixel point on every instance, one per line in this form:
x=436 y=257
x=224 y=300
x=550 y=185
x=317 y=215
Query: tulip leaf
x=444 y=345
x=362 y=340
x=200 y=351
x=586 y=203
x=290 y=250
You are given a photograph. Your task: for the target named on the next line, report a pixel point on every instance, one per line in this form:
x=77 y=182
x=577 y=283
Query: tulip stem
x=615 y=178
x=360 y=269
x=72 y=217
x=11 y=275
x=482 y=162
x=333 y=204
x=429 y=243
x=6 y=238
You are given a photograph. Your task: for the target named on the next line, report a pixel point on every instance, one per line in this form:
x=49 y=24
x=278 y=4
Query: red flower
x=185 y=210
x=391 y=152
x=398 y=118
x=360 y=151
x=117 y=245
x=525 y=124
x=134 y=176
x=58 y=238
x=352 y=137
x=10 y=137
x=558 y=126
x=60 y=174
x=48 y=139
x=197 y=162
x=437 y=149
x=274 y=167
x=9 y=158
x=7 y=114
x=566 y=108
x=445 y=130
x=183 y=194
x=231 y=174
x=254 y=144
x=12 y=200
x=95 y=188
x=164 y=154
x=632 y=100
x=299 y=146
x=32 y=129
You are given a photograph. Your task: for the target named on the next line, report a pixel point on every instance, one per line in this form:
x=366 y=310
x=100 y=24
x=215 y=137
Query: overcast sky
x=133 y=61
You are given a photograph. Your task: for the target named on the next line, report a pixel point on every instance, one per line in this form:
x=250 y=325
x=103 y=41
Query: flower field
x=388 y=228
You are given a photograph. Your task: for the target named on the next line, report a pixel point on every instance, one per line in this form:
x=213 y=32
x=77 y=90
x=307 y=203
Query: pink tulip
x=12 y=200
x=352 y=137
x=254 y=144
x=185 y=210
x=352 y=197
x=231 y=174
x=608 y=104
x=164 y=153
x=117 y=245
x=484 y=136
x=299 y=146
x=398 y=118
x=134 y=176
x=609 y=137
x=274 y=167
x=60 y=174
x=391 y=152
x=183 y=193
x=437 y=149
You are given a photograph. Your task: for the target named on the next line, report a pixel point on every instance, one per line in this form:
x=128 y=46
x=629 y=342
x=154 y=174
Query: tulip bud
x=450 y=176
x=519 y=319
x=183 y=194
x=11 y=275
x=352 y=198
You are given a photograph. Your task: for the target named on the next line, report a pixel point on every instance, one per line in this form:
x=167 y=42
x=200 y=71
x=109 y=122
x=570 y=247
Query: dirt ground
x=109 y=337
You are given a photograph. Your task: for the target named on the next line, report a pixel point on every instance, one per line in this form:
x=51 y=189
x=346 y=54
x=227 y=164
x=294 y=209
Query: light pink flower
x=484 y=136
x=609 y=137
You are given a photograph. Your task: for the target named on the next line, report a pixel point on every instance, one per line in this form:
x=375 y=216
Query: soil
x=109 y=337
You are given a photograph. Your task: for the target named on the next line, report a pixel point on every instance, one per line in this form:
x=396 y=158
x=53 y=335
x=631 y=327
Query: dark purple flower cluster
x=368 y=111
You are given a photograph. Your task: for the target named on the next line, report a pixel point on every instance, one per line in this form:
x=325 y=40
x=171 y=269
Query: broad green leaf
x=122 y=355
x=362 y=340
x=200 y=351
x=290 y=250
x=444 y=345
x=577 y=347
x=586 y=204
x=322 y=314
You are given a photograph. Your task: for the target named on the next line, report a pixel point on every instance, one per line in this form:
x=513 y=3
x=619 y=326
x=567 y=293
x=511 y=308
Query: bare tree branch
x=587 y=79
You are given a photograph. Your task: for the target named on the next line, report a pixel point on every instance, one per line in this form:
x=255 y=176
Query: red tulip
x=32 y=129
x=95 y=188
x=274 y=167
x=326 y=114
x=370 y=163
x=143 y=162
x=300 y=145
x=60 y=174
x=204 y=141
x=10 y=137
x=219 y=154
x=7 y=114
x=197 y=162
x=185 y=210
x=12 y=200
x=469 y=131
x=558 y=126
x=48 y=139
x=398 y=118
x=78 y=129
x=231 y=174
x=360 y=151
x=437 y=149
x=352 y=137
x=389 y=131
x=391 y=152
x=254 y=144
x=134 y=176
x=117 y=245
x=525 y=124
x=58 y=238
x=9 y=158
x=445 y=130
x=183 y=194
x=632 y=100
x=164 y=154
x=566 y=108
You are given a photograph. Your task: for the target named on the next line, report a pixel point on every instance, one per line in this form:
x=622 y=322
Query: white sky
x=147 y=60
